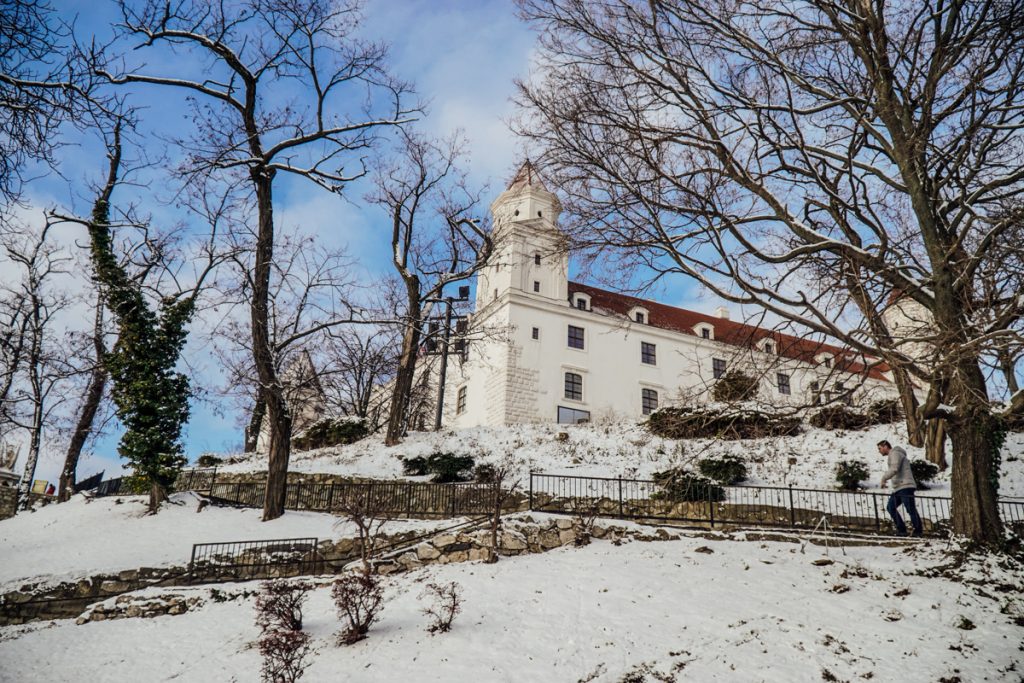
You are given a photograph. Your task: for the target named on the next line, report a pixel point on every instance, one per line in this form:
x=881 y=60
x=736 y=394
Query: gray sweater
x=899 y=471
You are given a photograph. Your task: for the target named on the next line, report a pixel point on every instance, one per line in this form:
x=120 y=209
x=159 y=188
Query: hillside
x=629 y=450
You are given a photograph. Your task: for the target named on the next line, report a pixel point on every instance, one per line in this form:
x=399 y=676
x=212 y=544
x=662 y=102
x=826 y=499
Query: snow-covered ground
x=83 y=537
x=629 y=450
x=746 y=611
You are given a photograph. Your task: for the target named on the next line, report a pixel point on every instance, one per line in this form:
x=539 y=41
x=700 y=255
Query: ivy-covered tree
x=150 y=396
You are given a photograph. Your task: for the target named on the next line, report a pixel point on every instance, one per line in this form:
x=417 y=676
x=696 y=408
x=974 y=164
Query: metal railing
x=245 y=560
x=739 y=505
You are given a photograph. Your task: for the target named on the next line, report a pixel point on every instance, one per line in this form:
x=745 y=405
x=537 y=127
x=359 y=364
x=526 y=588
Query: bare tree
x=747 y=144
x=435 y=242
x=358 y=362
x=43 y=364
x=310 y=306
x=282 y=90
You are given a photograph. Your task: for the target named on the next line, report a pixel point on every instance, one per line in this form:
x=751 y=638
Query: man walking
x=903 y=487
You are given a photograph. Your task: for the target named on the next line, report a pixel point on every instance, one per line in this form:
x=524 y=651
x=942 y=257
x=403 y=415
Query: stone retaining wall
x=8 y=501
x=520 y=536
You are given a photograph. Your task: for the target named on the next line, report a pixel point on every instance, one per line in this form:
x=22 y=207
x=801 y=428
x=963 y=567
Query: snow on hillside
x=629 y=450
x=83 y=537
x=734 y=611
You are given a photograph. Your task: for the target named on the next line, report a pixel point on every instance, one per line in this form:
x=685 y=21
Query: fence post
x=711 y=505
x=213 y=479
x=878 y=522
x=531 y=489
x=451 y=496
x=620 y=497
x=408 y=499
x=792 y=508
x=330 y=498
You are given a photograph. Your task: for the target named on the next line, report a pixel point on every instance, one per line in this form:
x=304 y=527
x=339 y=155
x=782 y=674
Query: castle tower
x=530 y=252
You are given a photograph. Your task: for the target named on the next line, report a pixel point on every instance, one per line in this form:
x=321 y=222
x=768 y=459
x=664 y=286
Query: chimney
x=722 y=312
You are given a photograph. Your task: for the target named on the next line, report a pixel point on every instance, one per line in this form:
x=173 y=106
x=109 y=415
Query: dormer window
x=704 y=331
x=824 y=359
x=766 y=345
x=581 y=301
x=639 y=315
x=536 y=259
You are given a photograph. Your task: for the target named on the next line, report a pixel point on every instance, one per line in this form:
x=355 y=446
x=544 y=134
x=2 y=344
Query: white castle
x=568 y=352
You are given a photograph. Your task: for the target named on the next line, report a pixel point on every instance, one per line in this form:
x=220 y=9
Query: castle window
x=648 y=353
x=460 y=401
x=768 y=347
x=535 y=333
x=815 y=393
x=640 y=317
x=648 y=401
x=717 y=367
x=782 y=380
x=572 y=416
x=575 y=337
x=573 y=386
x=536 y=259
x=581 y=304
x=536 y=285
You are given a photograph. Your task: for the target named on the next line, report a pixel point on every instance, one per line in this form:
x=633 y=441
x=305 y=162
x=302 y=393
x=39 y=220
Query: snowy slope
x=747 y=611
x=83 y=537
x=629 y=450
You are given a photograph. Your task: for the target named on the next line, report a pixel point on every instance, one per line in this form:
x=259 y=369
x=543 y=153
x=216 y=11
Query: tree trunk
x=406 y=370
x=976 y=436
x=280 y=421
x=1007 y=365
x=87 y=414
x=259 y=412
x=83 y=428
x=935 y=443
x=36 y=383
x=157 y=495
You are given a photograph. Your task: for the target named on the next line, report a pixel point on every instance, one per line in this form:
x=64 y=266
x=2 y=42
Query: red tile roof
x=729 y=331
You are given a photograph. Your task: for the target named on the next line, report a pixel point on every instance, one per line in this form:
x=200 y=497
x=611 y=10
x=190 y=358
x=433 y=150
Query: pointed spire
x=526 y=177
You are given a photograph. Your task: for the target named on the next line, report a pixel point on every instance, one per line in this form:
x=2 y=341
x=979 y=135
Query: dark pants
x=904 y=497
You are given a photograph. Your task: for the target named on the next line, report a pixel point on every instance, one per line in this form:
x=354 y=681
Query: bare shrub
x=279 y=605
x=282 y=644
x=585 y=514
x=445 y=605
x=358 y=504
x=359 y=598
x=285 y=655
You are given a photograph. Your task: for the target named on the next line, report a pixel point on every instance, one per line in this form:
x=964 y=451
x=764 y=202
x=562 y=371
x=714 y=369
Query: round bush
x=679 y=485
x=728 y=469
x=485 y=473
x=448 y=467
x=414 y=467
x=850 y=473
x=923 y=471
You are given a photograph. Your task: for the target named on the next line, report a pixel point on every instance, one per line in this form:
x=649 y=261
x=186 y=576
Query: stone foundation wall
x=8 y=501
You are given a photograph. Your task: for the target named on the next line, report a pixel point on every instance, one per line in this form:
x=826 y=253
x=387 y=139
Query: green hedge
x=331 y=432
x=850 y=473
x=679 y=485
x=728 y=469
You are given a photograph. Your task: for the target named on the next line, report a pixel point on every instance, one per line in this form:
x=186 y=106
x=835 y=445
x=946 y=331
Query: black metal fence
x=245 y=560
x=740 y=505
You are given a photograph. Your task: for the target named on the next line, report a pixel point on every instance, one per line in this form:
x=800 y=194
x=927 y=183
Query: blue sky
x=461 y=55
